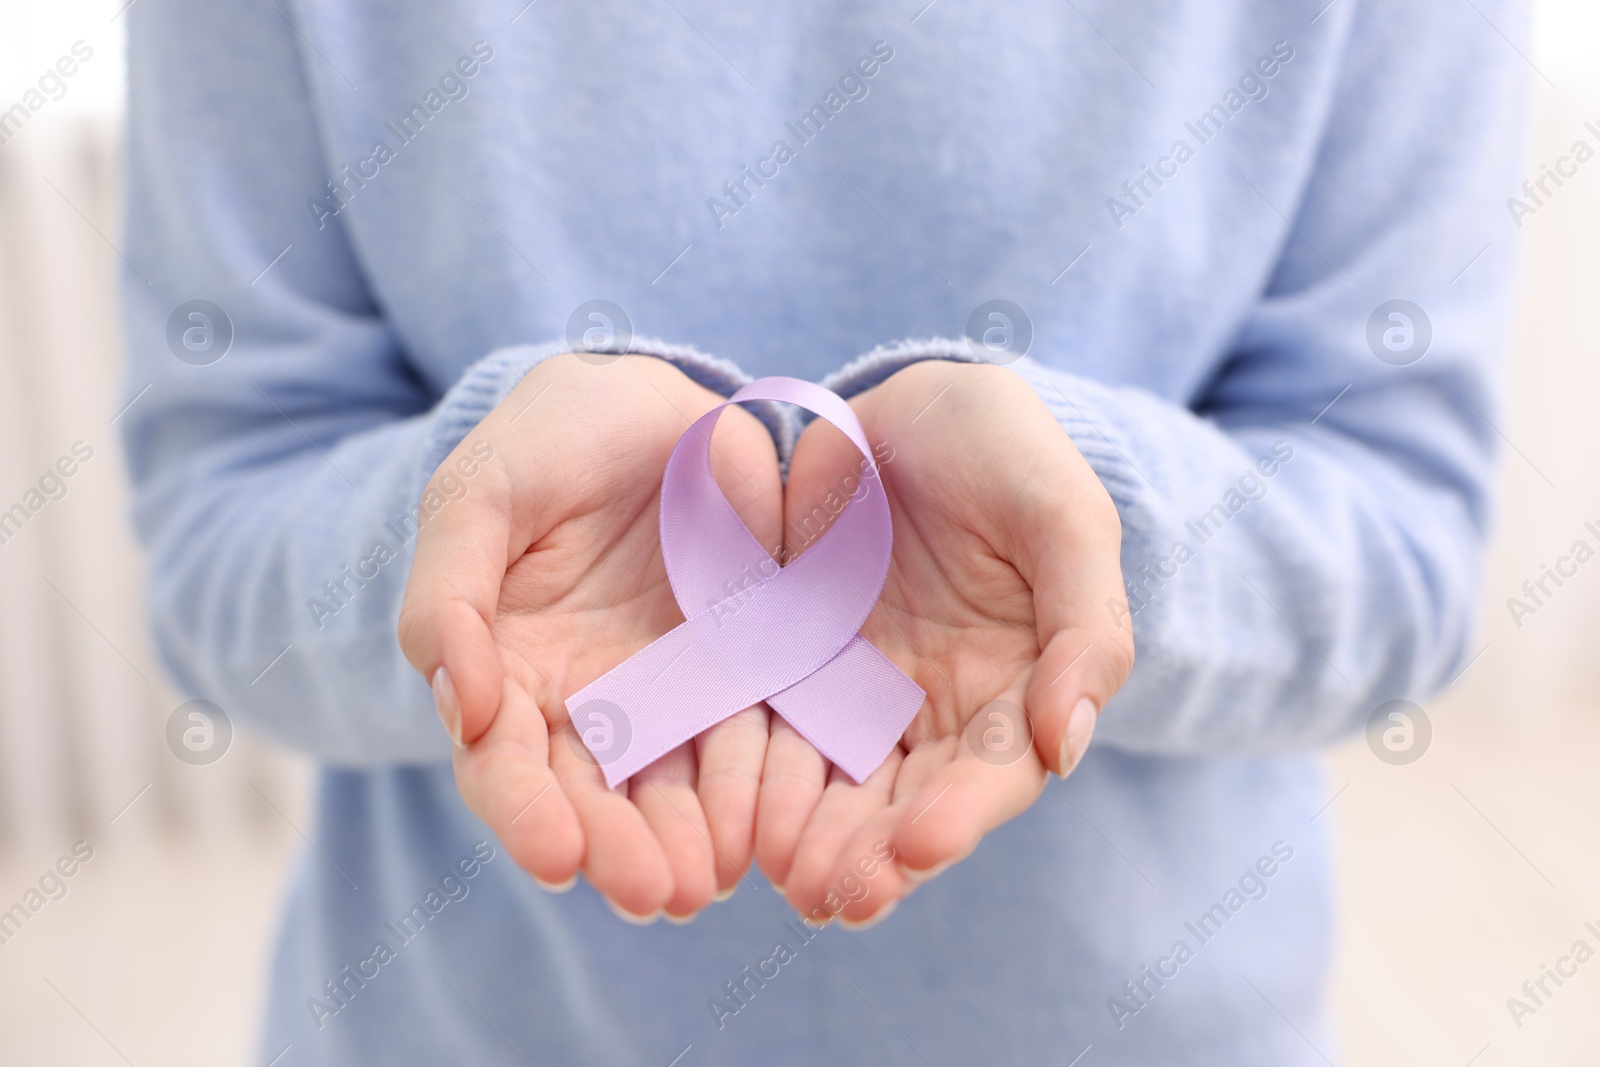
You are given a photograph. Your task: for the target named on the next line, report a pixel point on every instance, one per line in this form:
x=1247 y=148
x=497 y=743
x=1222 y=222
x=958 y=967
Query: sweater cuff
x=490 y=380
x=1078 y=404
x=877 y=366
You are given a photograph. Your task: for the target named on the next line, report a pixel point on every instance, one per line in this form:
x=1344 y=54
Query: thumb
x=462 y=552
x=1072 y=560
x=1078 y=671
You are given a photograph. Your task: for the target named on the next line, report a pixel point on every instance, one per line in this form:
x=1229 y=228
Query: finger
x=923 y=762
x=506 y=780
x=793 y=778
x=623 y=859
x=664 y=794
x=824 y=471
x=730 y=758
x=866 y=873
x=958 y=805
x=1077 y=672
x=744 y=461
x=1071 y=558
x=460 y=561
x=845 y=808
x=796 y=777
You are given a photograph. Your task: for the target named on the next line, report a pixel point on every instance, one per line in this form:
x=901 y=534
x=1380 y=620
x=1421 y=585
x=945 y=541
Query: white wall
x=82 y=701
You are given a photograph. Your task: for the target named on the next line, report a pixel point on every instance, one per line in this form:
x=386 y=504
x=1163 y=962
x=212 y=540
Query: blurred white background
x=1461 y=875
x=156 y=954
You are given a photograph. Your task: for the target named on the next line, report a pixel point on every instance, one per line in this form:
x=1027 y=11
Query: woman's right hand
x=543 y=576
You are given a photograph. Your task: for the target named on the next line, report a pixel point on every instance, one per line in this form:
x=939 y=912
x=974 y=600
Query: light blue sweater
x=1199 y=206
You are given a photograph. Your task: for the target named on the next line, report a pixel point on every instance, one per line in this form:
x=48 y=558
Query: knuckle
x=410 y=630
x=1119 y=653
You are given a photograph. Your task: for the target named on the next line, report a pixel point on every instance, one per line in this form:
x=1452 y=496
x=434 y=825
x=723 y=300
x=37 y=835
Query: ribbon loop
x=756 y=631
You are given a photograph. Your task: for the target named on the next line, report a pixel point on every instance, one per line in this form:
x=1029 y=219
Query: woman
x=1224 y=395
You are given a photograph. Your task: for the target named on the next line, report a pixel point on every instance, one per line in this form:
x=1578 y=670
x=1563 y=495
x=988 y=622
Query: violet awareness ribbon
x=756 y=631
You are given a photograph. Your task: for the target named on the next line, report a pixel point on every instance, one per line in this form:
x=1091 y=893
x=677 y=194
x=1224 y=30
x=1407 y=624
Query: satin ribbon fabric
x=756 y=631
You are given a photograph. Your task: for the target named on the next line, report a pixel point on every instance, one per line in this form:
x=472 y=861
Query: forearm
x=277 y=583
x=1282 y=578
x=1302 y=508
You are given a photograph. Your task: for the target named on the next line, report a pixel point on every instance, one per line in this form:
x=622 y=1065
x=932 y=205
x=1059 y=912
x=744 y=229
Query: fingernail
x=918 y=877
x=1080 y=727
x=679 y=920
x=778 y=889
x=448 y=703
x=867 y=924
x=723 y=894
x=556 y=887
x=630 y=917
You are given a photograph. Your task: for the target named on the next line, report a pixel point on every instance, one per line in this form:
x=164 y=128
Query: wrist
x=488 y=382
x=884 y=362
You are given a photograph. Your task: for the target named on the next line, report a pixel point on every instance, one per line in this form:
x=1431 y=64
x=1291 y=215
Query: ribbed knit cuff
x=1076 y=403
x=490 y=380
